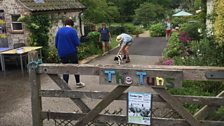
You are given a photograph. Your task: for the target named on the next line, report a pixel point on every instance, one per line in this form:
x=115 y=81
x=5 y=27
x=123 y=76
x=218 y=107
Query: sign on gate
x=139 y=108
x=141 y=77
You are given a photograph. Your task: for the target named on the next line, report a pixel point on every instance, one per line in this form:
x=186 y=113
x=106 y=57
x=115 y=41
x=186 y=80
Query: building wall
x=58 y=23
x=11 y=7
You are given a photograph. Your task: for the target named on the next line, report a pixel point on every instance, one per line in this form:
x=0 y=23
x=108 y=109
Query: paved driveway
x=144 y=51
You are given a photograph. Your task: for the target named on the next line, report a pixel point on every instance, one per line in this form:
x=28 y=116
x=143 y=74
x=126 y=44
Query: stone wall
x=57 y=19
x=11 y=7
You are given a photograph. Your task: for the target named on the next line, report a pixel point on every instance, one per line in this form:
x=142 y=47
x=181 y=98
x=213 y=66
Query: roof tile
x=52 y=5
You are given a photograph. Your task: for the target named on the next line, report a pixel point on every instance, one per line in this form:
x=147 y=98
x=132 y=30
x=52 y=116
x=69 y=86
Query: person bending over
x=125 y=42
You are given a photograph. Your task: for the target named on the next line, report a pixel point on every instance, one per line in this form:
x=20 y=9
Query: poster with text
x=139 y=108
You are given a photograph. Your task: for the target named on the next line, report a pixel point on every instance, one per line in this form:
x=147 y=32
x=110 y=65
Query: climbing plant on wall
x=38 y=26
x=219 y=22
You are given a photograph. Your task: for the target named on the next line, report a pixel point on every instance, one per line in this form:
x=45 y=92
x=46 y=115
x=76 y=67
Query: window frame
x=16 y=22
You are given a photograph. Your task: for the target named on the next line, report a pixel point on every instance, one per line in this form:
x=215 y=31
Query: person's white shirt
x=126 y=37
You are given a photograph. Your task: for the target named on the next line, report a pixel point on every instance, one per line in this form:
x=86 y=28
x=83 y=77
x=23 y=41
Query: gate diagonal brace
x=117 y=92
x=64 y=86
x=175 y=104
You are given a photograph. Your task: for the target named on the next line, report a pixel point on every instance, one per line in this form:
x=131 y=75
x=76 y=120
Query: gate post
x=36 y=103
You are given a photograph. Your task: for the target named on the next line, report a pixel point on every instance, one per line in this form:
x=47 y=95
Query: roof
x=51 y=5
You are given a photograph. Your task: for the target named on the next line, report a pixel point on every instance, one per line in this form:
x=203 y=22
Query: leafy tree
x=184 y=4
x=127 y=7
x=38 y=25
x=149 y=12
x=197 y=4
x=164 y=3
x=99 y=11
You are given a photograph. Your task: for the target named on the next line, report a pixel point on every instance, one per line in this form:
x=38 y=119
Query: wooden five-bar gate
x=120 y=77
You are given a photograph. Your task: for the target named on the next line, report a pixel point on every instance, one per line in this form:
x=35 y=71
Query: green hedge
x=174 y=46
x=88 y=49
x=116 y=30
x=204 y=53
x=84 y=50
x=127 y=28
x=157 y=30
x=192 y=30
x=198 y=88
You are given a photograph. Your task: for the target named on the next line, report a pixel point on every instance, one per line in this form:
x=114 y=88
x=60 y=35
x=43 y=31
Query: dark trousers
x=72 y=59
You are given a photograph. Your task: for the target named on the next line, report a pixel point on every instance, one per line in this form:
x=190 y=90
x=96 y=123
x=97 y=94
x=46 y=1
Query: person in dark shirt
x=66 y=42
x=105 y=37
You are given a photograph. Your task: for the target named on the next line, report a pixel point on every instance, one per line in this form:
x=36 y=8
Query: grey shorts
x=128 y=43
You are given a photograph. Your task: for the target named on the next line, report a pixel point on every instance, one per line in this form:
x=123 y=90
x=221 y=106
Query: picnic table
x=1 y=58
x=18 y=52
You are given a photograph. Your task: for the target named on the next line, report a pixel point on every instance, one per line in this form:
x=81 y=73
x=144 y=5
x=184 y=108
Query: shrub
x=138 y=31
x=52 y=56
x=190 y=88
x=174 y=46
x=168 y=62
x=165 y=61
x=89 y=27
x=116 y=30
x=204 y=53
x=128 y=28
x=184 y=37
x=87 y=49
x=38 y=26
x=2 y=22
x=136 y=22
x=132 y=29
x=192 y=30
x=157 y=30
x=176 y=21
x=93 y=36
x=3 y=36
x=198 y=88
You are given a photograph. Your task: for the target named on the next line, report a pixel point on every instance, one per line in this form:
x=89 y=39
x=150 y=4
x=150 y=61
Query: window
x=16 y=25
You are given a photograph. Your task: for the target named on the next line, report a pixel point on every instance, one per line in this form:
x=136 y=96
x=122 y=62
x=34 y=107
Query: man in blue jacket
x=66 y=43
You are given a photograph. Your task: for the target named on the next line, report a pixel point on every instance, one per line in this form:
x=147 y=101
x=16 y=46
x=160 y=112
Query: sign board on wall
x=139 y=108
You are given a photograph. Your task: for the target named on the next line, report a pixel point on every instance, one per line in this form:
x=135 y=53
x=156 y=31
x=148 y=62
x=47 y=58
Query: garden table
x=2 y=49
x=20 y=52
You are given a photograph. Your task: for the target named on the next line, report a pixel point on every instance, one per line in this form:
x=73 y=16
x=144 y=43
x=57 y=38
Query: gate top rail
x=189 y=72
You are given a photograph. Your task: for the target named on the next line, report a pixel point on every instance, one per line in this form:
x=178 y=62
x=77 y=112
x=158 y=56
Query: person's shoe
x=124 y=57
x=127 y=61
x=80 y=85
